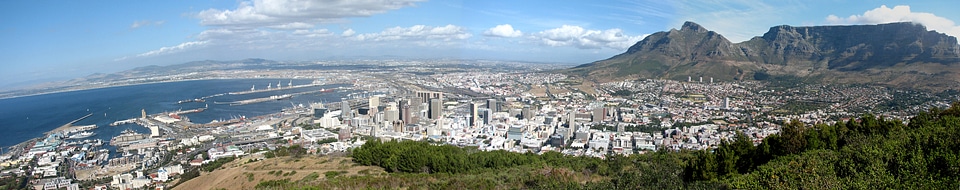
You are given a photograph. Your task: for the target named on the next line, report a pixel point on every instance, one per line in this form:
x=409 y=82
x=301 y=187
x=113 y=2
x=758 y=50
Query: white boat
x=81 y=135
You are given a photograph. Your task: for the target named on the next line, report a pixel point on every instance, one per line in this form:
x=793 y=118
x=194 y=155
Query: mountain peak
x=691 y=26
x=899 y=54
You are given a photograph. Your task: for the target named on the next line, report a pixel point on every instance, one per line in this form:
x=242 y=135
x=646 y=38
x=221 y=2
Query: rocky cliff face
x=818 y=53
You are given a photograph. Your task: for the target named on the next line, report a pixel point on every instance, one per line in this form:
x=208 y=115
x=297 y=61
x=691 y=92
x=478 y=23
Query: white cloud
x=293 y=26
x=167 y=50
x=418 y=32
x=261 y=13
x=899 y=13
x=170 y=49
x=503 y=30
x=313 y=33
x=348 y=32
x=579 y=37
x=143 y=23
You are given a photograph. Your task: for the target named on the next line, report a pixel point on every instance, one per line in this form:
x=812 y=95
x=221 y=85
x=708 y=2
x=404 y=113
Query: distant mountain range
x=895 y=54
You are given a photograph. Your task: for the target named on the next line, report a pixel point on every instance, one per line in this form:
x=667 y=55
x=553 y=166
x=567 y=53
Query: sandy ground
x=538 y=90
x=236 y=172
x=586 y=87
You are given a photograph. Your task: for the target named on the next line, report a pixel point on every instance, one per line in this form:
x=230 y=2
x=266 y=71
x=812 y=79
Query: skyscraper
x=492 y=105
x=391 y=113
x=345 y=111
x=406 y=114
x=374 y=101
x=435 y=108
x=473 y=115
x=526 y=112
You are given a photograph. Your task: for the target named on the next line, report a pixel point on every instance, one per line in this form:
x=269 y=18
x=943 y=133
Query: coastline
x=122 y=85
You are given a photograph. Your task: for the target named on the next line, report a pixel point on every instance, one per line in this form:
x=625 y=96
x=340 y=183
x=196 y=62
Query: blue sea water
x=29 y=117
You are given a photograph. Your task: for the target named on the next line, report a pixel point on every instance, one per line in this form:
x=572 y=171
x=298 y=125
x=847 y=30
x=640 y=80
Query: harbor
x=270 y=87
x=141 y=138
x=273 y=97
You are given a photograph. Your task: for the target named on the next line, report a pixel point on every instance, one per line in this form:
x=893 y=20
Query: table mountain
x=895 y=54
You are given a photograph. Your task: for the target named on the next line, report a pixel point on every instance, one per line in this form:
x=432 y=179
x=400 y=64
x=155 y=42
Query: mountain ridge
x=896 y=54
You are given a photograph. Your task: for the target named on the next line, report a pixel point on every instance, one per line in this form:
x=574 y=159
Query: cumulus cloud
x=348 y=33
x=899 y=13
x=277 y=13
x=418 y=32
x=503 y=30
x=313 y=33
x=170 y=49
x=167 y=50
x=292 y=26
x=579 y=37
x=142 y=23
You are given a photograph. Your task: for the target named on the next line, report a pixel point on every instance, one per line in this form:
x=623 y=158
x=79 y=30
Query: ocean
x=24 y=118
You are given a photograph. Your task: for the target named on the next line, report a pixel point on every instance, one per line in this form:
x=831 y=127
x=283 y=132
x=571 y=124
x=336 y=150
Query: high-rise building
x=374 y=101
x=492 y=105
x=391 y=113
x=406 y=114
x=436 y=106
x=426 y=96
x=526 y=112
x=473 y=115
x=345 y=111
x=487 y=116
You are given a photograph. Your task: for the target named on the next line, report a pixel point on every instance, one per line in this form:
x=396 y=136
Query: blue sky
x=58 y=40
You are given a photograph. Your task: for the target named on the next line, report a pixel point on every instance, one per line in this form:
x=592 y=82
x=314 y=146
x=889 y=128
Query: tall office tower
x=487 y=116
x=391 y=113
x=473 y=115
x=406 y=114
x=345 y=111
x=526 y=112
x=571 y=117
x=374 y=102
x=435 y=109
x=492 y=105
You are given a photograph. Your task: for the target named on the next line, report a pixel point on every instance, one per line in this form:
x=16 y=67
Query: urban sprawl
x=521 y=109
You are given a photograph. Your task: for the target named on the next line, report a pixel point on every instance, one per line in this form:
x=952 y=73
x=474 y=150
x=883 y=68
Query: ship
x=191 y=100
x=81 y=135
x=121 y=122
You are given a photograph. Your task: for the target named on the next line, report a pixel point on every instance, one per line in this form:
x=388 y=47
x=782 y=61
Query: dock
x=274 y=97
x=272 y=89
x=68 y=125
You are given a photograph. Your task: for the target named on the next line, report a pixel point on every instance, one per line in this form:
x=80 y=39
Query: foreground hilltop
x=895 y=54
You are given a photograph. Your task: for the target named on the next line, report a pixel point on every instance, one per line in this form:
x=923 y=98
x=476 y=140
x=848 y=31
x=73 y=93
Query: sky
x=42 y=41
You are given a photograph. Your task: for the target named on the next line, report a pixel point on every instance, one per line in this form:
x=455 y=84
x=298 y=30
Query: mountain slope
x=898 y=54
